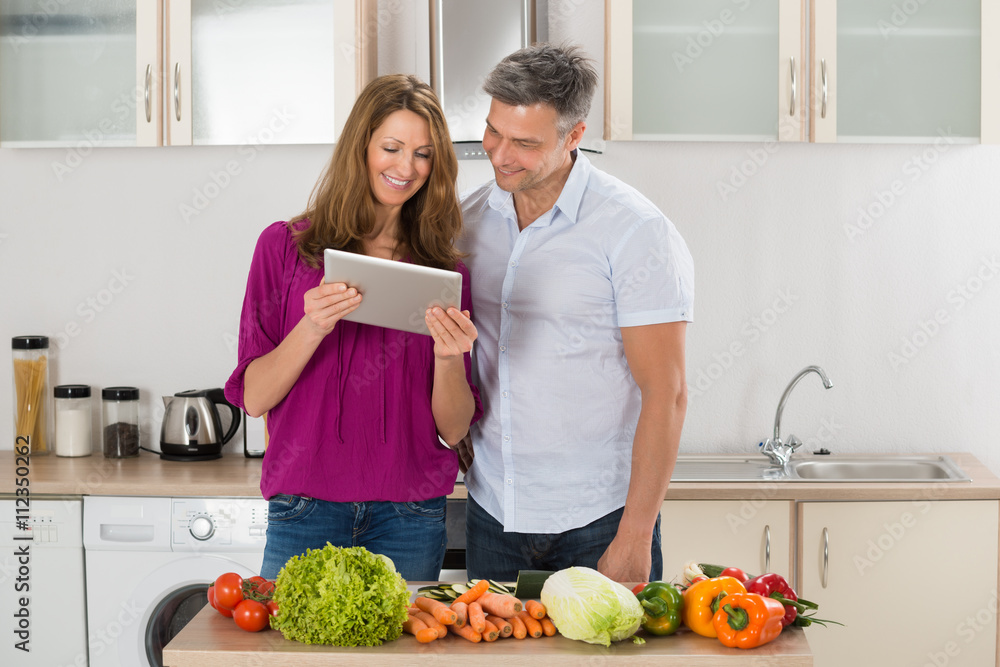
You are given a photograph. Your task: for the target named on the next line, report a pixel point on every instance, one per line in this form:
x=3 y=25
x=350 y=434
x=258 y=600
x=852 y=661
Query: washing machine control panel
x=221 y=524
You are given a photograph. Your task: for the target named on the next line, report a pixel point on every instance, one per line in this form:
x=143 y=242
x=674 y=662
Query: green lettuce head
x=340 y=596
x=586 y=605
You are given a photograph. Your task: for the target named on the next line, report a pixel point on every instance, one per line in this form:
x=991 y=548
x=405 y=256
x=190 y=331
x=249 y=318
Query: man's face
x=524 y=146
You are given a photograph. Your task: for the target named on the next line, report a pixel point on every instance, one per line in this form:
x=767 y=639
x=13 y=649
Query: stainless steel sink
x=870 y=469
x=831 y=468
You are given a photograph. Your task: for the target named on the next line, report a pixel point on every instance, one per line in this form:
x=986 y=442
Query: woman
x=357 y=414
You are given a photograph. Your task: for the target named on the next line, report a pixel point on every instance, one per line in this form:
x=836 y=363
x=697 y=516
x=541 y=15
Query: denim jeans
x=490 y=553
x=412 y=534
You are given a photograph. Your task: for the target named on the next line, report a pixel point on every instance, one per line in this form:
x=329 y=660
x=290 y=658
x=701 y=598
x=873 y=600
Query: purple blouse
x=357 y=424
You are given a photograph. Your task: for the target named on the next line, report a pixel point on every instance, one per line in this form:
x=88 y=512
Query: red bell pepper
x=774 y=586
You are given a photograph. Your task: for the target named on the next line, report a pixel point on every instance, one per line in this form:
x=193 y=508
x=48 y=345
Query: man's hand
x=627 y=560
x=465 y=453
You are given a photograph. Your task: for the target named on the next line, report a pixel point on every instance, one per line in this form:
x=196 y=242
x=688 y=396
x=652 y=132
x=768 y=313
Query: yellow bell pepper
x=701 y=601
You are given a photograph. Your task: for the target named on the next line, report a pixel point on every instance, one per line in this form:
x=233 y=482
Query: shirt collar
x=569 y=199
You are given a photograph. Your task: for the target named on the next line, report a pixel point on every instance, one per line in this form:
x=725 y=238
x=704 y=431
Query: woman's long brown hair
x=341 y=209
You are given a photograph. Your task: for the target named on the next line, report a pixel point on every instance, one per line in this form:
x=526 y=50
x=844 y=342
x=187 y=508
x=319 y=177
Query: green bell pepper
x=662 y=606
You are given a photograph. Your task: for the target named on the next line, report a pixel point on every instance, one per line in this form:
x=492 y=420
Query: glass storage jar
x=32 y=418
x=120 y=408
x=73 y=419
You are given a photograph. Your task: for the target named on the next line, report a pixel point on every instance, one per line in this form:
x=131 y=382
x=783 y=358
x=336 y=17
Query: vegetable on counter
x=340 y=596
x=702 y=599
x=748 y=620
x=774 y=586
x=588 y=606
x=663 y=608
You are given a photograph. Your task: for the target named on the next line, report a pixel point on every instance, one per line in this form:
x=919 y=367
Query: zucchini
x=530 y=582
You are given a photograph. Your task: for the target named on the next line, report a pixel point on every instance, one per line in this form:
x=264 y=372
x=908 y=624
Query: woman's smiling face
x=400 y=156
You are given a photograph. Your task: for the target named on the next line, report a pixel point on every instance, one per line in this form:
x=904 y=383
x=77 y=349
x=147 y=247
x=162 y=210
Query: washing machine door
x=153 y=596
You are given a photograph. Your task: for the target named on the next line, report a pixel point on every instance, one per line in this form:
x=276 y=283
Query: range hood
x=467 y=39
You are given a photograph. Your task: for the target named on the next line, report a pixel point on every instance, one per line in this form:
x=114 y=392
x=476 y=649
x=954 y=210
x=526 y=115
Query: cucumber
x=530 y=582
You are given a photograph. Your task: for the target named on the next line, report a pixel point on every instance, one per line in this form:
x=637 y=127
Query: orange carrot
x=531 y=624
x=502 y=624
x=535 y=608
x=473 y=593
x=520 y=632
x=490 y=632
x=461 y=612
x=503 y=606
x=440 y=610
x=431 y=622
x=419 y=629
x=467 y=632
x=548 y=627
x=477 y=619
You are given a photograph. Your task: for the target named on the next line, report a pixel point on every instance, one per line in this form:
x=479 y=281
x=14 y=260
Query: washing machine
x=149 y=562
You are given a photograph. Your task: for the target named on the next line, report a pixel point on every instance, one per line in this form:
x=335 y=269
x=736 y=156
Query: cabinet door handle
x=146 y=91
x=177 y=91
x=791 y=107
x=767 y=548
x=826 y=556
x=822 y=69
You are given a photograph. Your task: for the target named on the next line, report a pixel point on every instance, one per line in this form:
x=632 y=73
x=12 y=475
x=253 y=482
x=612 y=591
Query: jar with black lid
x=32 y=394
x=120 y=408
x=73 y=419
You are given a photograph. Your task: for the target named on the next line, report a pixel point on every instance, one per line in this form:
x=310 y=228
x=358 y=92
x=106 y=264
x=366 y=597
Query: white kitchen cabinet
x=914 y=583
x=753 y=534
x=705 y=70
x=848 y=70
x=179 y=72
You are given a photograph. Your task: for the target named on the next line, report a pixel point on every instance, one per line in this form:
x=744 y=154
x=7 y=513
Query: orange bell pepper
x=701 y=602
x=748 y=620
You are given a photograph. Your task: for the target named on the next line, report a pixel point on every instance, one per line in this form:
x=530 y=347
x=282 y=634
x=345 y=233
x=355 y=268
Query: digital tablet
x=395 y=294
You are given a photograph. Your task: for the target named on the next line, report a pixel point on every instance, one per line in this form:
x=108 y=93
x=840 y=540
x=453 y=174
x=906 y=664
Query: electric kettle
x=192 y=429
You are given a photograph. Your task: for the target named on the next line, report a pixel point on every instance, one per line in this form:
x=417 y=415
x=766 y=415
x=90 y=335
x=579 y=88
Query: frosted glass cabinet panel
x=67 y=73
x=908 y=70
x=262 y=71
x=704 y=68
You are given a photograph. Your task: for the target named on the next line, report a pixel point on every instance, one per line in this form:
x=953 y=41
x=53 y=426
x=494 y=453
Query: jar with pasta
x=32 y=416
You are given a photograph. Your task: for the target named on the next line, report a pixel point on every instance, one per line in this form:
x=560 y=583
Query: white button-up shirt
x=553 y=449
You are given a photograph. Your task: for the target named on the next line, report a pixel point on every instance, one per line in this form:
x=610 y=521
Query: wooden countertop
x=237 y=476
x=210 y=640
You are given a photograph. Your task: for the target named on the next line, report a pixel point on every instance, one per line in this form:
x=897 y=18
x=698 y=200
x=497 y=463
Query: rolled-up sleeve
x=653 y=275
x=263 y=304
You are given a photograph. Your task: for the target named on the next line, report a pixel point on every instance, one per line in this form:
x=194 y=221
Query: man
x=582 y=291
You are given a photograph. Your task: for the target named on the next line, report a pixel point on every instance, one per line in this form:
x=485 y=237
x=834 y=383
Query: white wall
x=902 y=309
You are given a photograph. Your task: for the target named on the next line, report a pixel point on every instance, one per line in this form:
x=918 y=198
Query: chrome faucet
x=773 y=448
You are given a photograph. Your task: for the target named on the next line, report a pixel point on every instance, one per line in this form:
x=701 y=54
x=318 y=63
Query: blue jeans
x=490 y=553
x=412 y=534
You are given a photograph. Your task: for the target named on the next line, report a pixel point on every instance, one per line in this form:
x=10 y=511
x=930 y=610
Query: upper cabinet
x=177 y=72
x=826 y=70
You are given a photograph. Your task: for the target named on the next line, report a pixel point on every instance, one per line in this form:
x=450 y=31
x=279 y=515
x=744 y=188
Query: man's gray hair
x=560 y=76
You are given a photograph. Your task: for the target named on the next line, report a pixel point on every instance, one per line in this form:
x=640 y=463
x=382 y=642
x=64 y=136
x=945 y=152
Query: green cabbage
x=340 y=596
x=586 y=605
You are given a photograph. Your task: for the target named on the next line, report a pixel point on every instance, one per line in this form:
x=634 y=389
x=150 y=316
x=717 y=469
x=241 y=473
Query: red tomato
x=638 y=588
x=735 y=572
x=700 y=577
x=266 y=588
x=272 y=607
x=228 y=590
x=215 y=605
x=251 y=616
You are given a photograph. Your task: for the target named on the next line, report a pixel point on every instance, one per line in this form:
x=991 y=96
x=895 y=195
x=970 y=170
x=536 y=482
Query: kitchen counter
x=237 y=476
x=210 y=640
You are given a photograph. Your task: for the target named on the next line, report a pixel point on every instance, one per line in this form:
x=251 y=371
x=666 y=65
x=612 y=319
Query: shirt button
x=503 y=305
x=506 y=438
x=503 y=348
x=513 y=263
x=504 y=394
x=510 y=481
